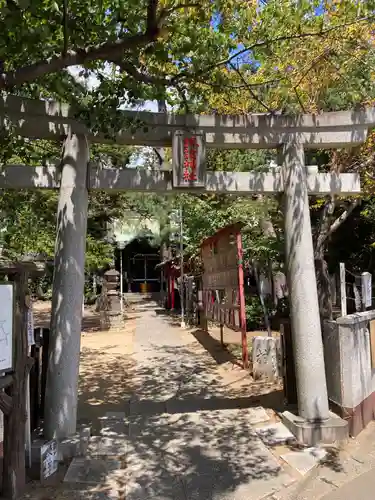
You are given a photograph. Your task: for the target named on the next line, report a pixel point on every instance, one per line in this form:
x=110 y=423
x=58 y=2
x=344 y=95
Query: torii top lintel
x=50 y=120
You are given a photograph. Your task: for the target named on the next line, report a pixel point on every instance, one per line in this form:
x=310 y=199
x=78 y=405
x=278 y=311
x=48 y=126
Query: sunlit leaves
x=292 y=53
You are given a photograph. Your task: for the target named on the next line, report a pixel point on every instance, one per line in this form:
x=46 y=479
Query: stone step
x=303 y=461
x=111 y=427
x=275 y=434
x=104 y=446
x=92 y=471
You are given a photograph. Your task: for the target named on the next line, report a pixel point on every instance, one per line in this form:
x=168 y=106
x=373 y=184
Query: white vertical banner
x=6 y=326
x=357 y=294
x=30 y=326
x=30 y=342
x=344 y=311
x=366 y=282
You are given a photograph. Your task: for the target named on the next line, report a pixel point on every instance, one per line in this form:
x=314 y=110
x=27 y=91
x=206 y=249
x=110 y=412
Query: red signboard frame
x=189 y=159
x=223 y=281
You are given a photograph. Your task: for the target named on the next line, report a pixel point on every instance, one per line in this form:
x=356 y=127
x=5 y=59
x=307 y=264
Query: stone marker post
x=304 y=308
x=68 y=288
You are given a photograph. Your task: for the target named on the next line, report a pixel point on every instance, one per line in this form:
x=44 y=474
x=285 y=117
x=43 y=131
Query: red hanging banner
x=189 y=159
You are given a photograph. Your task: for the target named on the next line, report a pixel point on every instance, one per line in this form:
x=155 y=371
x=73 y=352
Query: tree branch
x=110 y=51
x=152 y=20
x=264 y=43
x=328 y=229
x=337 y=223
x=100 y=52
x=325 y=218
x=182 y=94
x=140 y=74
x=239 y=87
x=166 y=12
x=300 y=102
x=251 y=91
x=315 y=61
x=104 y=52
x=5 y=403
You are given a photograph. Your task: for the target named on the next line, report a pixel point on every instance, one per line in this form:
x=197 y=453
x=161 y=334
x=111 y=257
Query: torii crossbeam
x=141 y=180
x=52 y=120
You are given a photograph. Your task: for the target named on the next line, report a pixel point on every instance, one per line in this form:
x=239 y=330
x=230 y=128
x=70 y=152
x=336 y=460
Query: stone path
x=190 y=430
x=361 y=488
x=344 y=474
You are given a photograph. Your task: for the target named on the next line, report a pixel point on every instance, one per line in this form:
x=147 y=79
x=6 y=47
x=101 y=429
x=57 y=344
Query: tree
x=138 y=48
x=28 y=222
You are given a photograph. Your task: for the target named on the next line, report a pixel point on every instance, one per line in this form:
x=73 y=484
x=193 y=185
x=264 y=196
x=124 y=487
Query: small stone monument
x=102 y=306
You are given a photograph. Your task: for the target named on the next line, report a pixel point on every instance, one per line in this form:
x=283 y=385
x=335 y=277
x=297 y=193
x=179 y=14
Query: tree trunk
x=324 y=287
x=14 y=421
x=267 y=228
x=326 y=229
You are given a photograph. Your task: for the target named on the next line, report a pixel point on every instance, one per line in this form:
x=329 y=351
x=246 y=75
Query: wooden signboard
x=6 y=327
x=223 y=281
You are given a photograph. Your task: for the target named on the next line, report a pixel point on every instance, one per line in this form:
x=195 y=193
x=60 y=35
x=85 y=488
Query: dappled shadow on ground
x=173 y=374
x=191 y=420
x=210 y=342
x=90 y=320
x=104 y=385
x=172 y=317
x=202 y=455
x=42 y=318
x=215 y=348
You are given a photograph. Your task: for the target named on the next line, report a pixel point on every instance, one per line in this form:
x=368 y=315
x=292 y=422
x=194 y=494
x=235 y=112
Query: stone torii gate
x=75 y=176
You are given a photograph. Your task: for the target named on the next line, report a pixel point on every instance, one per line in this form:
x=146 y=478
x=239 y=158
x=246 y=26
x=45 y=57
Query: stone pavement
x=191 y=431
x=360 y=488
x=344 y=474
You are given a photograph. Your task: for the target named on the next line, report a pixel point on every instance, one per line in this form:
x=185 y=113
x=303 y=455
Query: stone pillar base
x=312 y=433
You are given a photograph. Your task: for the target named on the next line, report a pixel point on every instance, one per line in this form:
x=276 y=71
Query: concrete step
x=275 y=434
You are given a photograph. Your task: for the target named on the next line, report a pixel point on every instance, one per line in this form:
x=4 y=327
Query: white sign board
x=366 y=279
x=6 y=326
x=48 y=459
x=30 y=326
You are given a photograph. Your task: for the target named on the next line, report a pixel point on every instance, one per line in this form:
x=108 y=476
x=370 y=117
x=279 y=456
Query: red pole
x=245 y=353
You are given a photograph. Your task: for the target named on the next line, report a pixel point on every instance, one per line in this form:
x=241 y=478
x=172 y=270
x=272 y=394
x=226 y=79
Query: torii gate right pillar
x=314 y=422
x=300 y=271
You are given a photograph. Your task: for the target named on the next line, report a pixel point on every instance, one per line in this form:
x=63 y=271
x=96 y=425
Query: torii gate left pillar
x=60 y=417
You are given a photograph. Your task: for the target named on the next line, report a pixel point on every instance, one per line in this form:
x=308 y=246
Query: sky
x=92 y=82
x=139 y=157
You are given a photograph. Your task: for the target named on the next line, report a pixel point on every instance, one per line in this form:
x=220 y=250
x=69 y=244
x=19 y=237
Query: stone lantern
x=111 y=281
